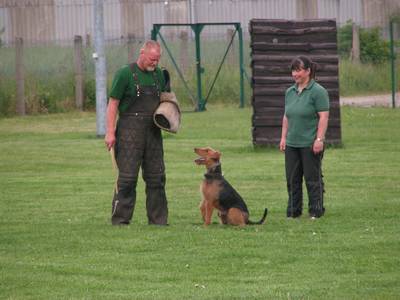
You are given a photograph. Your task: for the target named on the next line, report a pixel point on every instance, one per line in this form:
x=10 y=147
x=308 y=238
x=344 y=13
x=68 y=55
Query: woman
x=304 y=126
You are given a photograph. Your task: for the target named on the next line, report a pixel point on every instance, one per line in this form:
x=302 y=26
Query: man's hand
x=112 y=110
x=109 y=140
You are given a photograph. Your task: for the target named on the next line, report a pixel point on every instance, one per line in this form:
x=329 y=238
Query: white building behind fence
x=58 y=21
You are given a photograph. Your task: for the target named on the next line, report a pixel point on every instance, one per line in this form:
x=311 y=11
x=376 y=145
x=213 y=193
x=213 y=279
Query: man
x=135 y=95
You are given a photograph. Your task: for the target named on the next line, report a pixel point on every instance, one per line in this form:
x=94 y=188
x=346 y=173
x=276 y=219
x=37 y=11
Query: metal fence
x=48 y=29
x=58 y=21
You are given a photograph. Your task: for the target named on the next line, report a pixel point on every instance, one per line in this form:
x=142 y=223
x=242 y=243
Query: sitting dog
x=219 y=194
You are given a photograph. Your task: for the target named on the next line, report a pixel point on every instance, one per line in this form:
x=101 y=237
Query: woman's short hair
x=303 y=62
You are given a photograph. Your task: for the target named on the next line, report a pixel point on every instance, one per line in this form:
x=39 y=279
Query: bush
x=5 y=104
x=7 y=97
x=373 y=49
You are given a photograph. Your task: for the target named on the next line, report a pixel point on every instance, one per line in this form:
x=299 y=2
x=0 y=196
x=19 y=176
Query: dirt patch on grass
x=370 y=101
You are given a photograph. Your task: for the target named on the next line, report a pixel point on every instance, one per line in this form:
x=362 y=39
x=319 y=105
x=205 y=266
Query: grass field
x=56 y=241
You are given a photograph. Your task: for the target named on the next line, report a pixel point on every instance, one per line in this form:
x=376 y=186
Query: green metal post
x=154 y=32
x=393 y=65
x=197 y=28
x=241 y=67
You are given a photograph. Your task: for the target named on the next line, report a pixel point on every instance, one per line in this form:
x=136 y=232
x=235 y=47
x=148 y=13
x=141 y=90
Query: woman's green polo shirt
x=123 y=87
x=301 y=111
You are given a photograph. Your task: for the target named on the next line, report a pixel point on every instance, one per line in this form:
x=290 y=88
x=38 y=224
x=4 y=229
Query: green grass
x=353 y=78
x=56 y=241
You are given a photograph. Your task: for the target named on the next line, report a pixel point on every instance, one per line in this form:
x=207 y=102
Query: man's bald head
x=149 y=56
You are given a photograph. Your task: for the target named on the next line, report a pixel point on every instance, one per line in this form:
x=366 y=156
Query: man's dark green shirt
x=301 y=110
x=124 y=86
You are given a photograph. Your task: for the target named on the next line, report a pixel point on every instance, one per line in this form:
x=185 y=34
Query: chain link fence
x=49 y=75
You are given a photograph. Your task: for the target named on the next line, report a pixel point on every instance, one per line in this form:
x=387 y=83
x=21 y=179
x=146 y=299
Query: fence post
x=100 y=68
x=88 y=40
x=131 y=47
x=307 y=9
x=20 y=76
x=355 y=49
x=241 y=64
x=78 y=66
x=392 y=64
x=184 y=36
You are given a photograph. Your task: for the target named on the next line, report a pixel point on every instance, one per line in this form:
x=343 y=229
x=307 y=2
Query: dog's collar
x=214 y=172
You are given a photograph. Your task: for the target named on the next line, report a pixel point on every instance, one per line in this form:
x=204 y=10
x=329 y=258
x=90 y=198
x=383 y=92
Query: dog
x=218 y=194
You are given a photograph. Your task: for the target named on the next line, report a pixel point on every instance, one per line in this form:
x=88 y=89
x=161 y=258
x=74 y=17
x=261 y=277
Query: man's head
x=149 y=56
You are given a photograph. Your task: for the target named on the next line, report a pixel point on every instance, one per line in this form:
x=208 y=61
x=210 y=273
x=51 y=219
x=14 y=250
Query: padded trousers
x=299 y=163
x=139 y=145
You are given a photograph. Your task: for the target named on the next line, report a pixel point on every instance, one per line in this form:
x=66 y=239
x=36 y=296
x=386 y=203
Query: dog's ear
x=209 y=149
x=201 y=151
x=215 y=155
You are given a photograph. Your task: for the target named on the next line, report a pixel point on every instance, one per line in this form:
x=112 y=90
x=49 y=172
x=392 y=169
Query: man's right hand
x=109 y=140
x=112 y=109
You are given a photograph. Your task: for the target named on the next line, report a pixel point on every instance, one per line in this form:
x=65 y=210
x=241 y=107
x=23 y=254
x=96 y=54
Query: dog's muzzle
x=168 y=114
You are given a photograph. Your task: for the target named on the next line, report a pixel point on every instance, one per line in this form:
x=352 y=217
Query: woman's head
x=303 y=69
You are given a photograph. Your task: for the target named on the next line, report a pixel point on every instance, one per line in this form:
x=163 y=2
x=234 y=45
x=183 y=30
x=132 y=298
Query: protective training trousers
x=301 y=162
x=139 y=145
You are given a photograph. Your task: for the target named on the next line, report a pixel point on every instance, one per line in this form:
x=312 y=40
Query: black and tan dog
x=218 y=194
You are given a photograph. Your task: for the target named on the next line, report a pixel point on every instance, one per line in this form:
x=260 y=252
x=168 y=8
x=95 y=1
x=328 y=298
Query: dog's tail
x=262 y=219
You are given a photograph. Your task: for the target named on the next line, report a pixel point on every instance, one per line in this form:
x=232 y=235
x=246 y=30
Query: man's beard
x=150 y=69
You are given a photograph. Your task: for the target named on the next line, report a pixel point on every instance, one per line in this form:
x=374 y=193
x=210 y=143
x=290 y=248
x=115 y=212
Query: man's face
x=150 y=58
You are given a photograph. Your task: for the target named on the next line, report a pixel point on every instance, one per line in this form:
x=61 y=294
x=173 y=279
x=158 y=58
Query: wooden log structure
x=274 y=43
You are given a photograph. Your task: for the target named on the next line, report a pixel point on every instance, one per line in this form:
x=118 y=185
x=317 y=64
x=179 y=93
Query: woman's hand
x=318 y=146
x=282 y=145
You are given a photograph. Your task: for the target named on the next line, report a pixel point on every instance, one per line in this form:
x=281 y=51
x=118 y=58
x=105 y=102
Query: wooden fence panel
x=274 y=43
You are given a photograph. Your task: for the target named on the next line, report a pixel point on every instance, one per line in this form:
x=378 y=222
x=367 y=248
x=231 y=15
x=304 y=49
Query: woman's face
x=301 y=76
